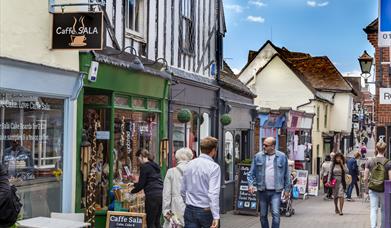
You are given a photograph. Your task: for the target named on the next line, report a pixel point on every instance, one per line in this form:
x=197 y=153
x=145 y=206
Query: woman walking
x=173 y=205
x=151 y=181
x=337 y=172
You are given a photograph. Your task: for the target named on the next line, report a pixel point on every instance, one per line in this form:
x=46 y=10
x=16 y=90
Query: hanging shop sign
x=83 y=30
x=384 y=23
x=125 y=219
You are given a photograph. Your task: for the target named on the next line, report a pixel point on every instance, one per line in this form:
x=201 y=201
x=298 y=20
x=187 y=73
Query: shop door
x=96 y=132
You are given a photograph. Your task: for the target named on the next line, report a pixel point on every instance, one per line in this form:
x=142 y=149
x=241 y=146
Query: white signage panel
x=384 y=95
x=384 y=23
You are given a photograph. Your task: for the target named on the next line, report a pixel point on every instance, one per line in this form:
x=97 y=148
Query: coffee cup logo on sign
x=78 y=40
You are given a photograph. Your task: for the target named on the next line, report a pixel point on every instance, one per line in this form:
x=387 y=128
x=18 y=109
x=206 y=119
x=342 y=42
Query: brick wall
x=382 y=112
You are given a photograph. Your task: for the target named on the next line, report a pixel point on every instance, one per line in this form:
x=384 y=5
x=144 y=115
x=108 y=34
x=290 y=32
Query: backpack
x=10 y=208
x=378 y=175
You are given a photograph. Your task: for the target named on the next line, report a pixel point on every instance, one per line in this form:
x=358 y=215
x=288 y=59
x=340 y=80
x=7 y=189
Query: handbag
x=331 y=183
x=348 y=179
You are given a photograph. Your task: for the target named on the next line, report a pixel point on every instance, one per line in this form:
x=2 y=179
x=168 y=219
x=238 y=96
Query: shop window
x=153 y=104
x=96 y=99
x=134 y=17
x=121 y=101
x=229 y=156
x=205 y=126
x=186 y=134
x=138 y=103
x=238 y=151
x=31 y=150
x=133 y=131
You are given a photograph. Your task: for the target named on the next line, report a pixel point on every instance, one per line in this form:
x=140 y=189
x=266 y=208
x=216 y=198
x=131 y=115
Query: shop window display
x=132 y=131
x=31 y=149
x=228 y=156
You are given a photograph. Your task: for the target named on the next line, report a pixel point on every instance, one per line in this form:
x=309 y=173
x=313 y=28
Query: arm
x=214 y=192
x=366 y=175
x=287 y=177
x=167 y=185
x=183 y=187
x=322 y=171
x=251 y=179
x=141 y=181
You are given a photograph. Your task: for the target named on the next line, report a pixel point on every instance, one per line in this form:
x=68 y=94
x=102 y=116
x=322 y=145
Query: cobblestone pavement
x=313 y=212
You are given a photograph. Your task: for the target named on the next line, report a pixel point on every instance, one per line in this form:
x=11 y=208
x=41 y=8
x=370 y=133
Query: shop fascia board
x=18 y=75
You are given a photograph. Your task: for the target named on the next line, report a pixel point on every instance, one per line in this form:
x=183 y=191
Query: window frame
x=132 y=33
x=187 y=15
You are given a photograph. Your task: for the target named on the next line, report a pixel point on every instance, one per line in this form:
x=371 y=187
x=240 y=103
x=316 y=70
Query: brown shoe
x=340 y=213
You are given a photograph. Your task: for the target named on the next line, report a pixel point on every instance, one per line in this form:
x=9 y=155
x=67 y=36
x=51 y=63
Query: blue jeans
x=196 y=217
x=375 y=198
x=270 y=198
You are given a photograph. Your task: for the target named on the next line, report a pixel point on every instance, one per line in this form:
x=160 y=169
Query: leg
x=382 y=210
x=189 y=217
x=150 y=209
x=336 y=205
x=357 y=189
x=341 y=202
x=205 y=218
x=275 y=207
x=374 y=202
x=158 y=206
x=349 y=191
x=264 y=205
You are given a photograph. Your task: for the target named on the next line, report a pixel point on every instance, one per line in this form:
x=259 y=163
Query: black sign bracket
x=53 y=5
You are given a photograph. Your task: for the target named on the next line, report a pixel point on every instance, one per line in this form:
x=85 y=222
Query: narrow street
x=312 y=212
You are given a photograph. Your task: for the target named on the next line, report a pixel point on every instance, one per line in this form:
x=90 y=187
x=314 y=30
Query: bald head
x=269 y=145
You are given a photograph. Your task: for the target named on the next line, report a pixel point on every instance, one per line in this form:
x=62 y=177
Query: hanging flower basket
x=184 y=115
x=225 y=119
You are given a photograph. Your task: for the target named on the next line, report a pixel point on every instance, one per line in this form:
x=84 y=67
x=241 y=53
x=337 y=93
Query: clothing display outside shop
x=31 y=149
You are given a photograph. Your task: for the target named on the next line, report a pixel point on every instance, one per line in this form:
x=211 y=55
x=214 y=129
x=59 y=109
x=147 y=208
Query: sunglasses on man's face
x=266 y=145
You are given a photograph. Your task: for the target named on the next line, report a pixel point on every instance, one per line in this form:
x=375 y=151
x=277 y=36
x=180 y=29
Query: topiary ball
x=225 y=119
x=184 y=115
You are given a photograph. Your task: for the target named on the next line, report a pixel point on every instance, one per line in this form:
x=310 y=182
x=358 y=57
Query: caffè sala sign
x=81 y=30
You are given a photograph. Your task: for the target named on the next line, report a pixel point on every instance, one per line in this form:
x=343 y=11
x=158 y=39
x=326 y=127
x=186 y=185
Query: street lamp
x=365 y=61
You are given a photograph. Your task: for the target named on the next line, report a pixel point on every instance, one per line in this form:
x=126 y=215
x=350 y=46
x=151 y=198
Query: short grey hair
x=184 y=154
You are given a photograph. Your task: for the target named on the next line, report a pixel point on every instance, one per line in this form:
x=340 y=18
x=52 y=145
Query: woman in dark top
x=151 y=182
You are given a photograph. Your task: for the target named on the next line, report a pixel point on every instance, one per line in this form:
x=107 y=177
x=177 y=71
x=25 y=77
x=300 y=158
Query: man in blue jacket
x=269 y=174
x=354 y=172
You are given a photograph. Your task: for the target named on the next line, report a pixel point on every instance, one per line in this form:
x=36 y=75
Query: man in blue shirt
x=354 y=172
x=200 y=188
x=269 y=174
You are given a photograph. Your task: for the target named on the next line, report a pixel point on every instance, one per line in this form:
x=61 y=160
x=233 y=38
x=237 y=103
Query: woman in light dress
x=338 y=170
x=173 y=205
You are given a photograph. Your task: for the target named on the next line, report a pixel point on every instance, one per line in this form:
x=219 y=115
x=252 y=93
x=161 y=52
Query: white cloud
x=258 y=3
x=316 y=4
x=323 y=4
x=234 y=8
x=256 y=19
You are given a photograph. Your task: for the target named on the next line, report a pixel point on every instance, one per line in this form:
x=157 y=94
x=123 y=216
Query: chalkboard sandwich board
x=246 y=203
x=116 y=219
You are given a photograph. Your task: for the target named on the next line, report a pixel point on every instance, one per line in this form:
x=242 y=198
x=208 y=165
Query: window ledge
x=135 y=36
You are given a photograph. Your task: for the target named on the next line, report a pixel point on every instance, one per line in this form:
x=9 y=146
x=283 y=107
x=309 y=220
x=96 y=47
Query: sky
x=332 y=28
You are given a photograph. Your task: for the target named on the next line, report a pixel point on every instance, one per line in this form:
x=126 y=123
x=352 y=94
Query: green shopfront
x=122 y=111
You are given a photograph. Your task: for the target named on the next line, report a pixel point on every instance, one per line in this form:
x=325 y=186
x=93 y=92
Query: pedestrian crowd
x=189 y=194
x=340 y=177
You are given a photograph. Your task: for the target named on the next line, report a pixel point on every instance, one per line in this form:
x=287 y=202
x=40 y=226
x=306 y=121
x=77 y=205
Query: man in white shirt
x=201 y=188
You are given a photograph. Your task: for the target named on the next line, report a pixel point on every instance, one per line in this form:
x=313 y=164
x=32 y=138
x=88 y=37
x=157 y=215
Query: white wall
x=25 y=28
x=257 y=63
x=277 y=86
x=341 y=113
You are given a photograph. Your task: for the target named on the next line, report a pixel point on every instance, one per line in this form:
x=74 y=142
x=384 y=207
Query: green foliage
x=246 y=161
x=184 y=115
x=225 y=119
